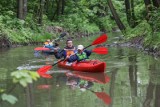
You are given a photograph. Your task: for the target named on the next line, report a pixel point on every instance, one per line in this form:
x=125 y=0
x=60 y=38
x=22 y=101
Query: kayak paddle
x=100 y=50
x=99 y=40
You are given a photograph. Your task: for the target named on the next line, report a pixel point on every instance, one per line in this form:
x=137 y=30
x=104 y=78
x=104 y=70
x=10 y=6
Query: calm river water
x=131 y=79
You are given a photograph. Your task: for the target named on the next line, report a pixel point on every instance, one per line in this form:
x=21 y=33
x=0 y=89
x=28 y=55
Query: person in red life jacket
x=81 y=55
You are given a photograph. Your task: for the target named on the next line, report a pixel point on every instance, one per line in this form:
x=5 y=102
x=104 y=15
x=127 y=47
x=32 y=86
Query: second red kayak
x=84 y=66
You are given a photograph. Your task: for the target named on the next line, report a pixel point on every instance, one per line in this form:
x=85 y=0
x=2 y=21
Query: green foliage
x=154 y=20
x=24 y=77
x=142 y=29
x=79 y=16
x=1 y=90
x=9 y=98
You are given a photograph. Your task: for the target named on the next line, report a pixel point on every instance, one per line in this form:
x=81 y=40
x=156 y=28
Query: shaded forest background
x=27 y=21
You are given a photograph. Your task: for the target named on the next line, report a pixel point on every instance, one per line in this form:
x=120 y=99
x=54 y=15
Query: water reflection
x=30 y=96
x=85 y=81
x=132 y=59
x=101 y=78
x=132 y=80
x=153 y=90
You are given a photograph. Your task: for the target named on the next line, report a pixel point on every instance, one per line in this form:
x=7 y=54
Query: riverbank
x=137 y=42
x=51 y=32
x=119 y=41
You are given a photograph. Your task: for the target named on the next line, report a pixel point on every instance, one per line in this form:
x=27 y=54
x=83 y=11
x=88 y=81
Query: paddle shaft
x=58 y=62
x=87 y=46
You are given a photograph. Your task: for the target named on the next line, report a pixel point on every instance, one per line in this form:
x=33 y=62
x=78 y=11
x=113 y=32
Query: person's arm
x=72 y=58
x=88 y=52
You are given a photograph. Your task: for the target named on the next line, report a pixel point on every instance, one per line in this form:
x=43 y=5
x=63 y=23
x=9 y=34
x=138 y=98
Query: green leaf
x=23 y=83
x=9 y=98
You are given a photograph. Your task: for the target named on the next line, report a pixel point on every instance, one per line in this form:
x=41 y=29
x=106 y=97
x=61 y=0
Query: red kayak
x=85 y=66
x=93 y=77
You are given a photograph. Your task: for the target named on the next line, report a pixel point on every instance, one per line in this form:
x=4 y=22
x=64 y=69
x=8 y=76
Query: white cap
x=80 y=47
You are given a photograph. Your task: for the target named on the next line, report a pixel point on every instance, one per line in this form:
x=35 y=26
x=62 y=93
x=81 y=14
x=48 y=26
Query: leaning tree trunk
x=115 y=15
x=20 y=11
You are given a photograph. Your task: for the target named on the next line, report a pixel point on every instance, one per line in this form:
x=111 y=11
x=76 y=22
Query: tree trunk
x=148 y=5
x=25 y=8
x=20 y=11
x=40 y=16
x=130 y=12
x=58 y=7
x=47 y=2
x=156 y=3
x=133 y=21
x=63 y=7
x=115 y=15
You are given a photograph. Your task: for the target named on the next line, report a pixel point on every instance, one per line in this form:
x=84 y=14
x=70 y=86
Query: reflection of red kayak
x=41 y=49
x=93 y=77
x=44 y=86
x=85 y=66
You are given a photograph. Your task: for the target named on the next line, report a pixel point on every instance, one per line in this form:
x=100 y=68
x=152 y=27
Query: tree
x=129 y=5
x=22 y=9
x=40 y=12
x=20 y=12
x=115 y=15
x=156 y=3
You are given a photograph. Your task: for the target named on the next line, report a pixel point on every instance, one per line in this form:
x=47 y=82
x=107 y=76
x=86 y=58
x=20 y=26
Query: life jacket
x=69 y=50
x=82 y=56
x=48 y=44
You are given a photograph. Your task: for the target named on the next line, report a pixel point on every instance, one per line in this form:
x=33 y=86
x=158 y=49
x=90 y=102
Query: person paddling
x=68 y=50
x=48 y=44
x=81 y=55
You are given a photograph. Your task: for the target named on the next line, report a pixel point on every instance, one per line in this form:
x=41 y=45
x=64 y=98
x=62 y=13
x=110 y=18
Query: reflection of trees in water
x=112 y=84
x=113 y=76
x=132 y=70
x=29 y=95
x=133 y=77
x=153 y=89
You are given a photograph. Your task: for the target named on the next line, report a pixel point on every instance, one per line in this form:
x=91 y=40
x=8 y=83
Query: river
x=131 y=79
